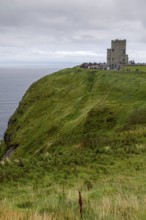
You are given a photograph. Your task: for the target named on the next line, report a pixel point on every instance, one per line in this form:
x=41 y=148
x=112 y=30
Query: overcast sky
x=70 y=30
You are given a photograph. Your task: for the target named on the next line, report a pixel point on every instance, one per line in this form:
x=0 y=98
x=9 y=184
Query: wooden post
x=80 y=204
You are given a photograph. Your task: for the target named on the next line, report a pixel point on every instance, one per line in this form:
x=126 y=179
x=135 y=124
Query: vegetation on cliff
x=80 y=108
x=77 y=130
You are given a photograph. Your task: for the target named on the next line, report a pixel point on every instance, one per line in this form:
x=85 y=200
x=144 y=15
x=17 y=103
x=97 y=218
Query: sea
x=15 y=79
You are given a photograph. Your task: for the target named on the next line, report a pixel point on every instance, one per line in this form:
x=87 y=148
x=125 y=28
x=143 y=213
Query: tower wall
x=108 y=57
x=116 y=56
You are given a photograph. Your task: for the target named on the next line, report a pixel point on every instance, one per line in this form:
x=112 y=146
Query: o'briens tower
x=116 y=56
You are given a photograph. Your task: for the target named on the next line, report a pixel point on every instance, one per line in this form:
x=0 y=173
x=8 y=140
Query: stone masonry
x=116 y=56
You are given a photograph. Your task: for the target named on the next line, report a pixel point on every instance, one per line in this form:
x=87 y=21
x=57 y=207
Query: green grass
x=79 y=107
x=111 y=187
x=137 y=68
x=74 y=130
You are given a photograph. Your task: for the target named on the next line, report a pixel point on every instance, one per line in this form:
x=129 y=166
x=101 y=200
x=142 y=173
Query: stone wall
x=116 y=56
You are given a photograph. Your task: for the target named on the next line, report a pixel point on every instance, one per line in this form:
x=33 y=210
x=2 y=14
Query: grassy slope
x=77 y=107
x=85 y=130
x=137 y=68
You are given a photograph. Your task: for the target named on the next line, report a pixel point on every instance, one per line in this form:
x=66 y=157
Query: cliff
x=79 y=108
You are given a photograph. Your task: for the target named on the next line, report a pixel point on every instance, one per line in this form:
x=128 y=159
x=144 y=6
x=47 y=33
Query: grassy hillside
x=137 y=68
x=80 y=108
x=77 y=130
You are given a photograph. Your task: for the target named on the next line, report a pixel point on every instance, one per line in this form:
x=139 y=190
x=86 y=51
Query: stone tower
x=116 y=56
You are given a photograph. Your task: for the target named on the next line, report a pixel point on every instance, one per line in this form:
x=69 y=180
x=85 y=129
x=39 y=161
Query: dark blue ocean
x=15 y=80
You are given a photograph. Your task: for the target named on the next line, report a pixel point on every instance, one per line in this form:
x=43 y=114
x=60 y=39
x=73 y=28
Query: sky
x=70 y=30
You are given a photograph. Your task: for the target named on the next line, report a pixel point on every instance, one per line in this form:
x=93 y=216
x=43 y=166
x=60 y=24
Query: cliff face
x=79 y=108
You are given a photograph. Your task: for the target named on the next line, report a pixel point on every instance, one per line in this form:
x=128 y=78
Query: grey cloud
x=30 y=26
